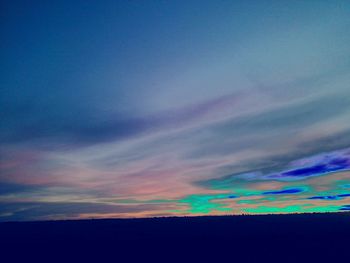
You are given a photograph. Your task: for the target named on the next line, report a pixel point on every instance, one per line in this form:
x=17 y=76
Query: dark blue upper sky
x=75 y=63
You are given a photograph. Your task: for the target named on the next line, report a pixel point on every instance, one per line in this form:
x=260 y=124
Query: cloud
x=80 y=132
x=177 y=108
x=12 y=188
x=49 y=210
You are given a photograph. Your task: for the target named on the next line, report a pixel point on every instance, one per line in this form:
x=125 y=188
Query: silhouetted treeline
x=265 y=238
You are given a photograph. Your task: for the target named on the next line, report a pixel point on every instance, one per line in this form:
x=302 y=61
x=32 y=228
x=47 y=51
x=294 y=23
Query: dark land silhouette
x=321 y=237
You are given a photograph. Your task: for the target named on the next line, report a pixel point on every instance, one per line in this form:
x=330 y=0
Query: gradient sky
x=171 y=108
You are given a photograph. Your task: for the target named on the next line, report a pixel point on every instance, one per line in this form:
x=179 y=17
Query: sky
x=124 y=109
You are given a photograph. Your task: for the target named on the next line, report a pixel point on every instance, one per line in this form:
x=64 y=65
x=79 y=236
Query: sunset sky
x=171 y=108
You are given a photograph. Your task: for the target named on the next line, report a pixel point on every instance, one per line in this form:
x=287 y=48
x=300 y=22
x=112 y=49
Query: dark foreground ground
x=268 y=238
